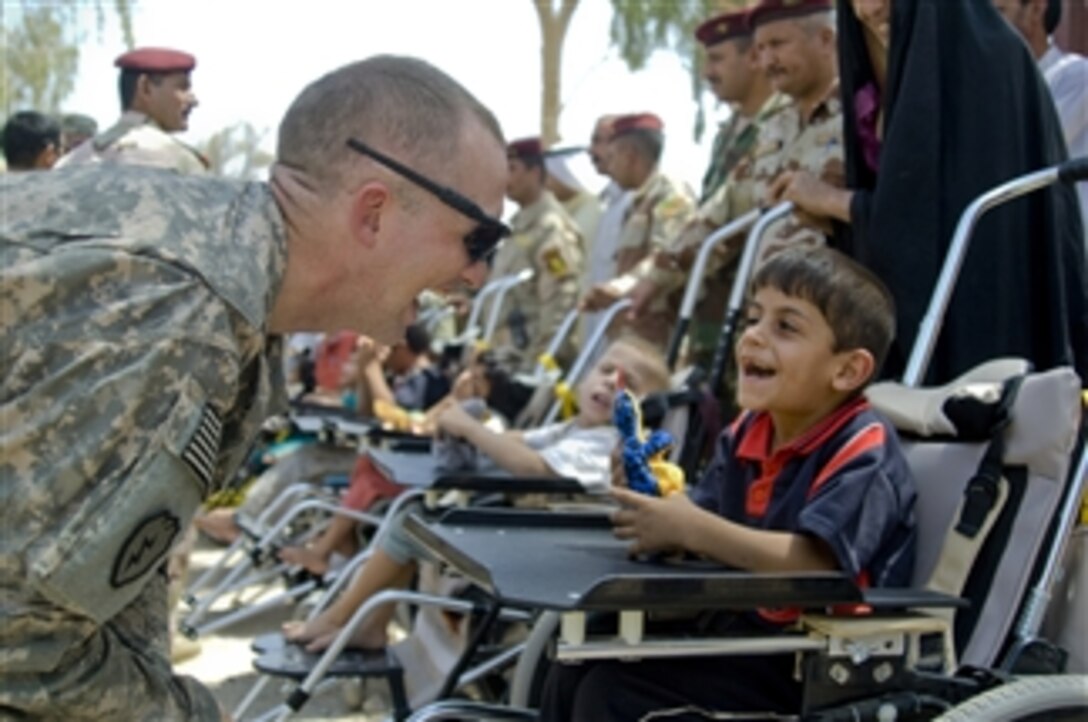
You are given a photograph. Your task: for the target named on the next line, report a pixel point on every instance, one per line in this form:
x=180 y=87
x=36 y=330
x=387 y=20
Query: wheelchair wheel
x=1046 y=697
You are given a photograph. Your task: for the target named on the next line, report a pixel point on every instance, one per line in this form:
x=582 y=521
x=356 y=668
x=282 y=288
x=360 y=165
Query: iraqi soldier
x=659 y=208
x=733 y=72
x=731 y=69
x=142 y=353
x=156 y=99
x=545 y=240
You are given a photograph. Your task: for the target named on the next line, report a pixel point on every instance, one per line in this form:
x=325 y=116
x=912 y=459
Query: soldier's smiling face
x=792 y=52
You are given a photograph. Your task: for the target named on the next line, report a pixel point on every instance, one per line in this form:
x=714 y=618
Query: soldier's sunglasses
x=482 y=240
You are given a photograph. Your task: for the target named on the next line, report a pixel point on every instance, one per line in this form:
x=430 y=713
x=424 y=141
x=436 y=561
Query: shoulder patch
x=672 y=205
x=555 y=263
x=145 y=547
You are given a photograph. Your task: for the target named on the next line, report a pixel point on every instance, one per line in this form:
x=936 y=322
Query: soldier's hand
x=644 y=292
x=599 y=298
x=807 y=192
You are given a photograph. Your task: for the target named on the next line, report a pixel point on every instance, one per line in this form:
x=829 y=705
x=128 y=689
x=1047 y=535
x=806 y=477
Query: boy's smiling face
x=787 y=365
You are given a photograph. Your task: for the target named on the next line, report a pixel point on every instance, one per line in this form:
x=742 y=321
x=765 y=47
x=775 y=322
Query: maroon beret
x=769 y=10
x=723 y=27
x=156 y=60
x=636 y=121
x=525 y=148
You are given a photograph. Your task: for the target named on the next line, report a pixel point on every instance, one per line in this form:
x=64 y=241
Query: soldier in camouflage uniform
x=733 y=72
x=659 y=209
x=143 y=312
x=156 y=99
x=546 y=240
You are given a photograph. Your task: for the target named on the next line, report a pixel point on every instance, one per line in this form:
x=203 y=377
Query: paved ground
x=225 y=664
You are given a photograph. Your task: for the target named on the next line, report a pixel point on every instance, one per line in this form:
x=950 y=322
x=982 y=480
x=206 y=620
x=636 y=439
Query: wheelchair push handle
x=1074 y=170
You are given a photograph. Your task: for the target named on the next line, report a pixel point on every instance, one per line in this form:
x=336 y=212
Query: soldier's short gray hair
x=403 y=106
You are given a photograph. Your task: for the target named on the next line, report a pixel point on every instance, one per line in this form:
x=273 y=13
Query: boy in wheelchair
x=808 y=478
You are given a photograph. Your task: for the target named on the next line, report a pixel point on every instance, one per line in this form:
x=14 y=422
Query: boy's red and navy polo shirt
x=845 y=481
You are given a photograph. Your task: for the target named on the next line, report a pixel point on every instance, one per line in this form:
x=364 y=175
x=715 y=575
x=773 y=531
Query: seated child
x=402 y=379
x=577 y=449
x=808 y=478
x=489 y=378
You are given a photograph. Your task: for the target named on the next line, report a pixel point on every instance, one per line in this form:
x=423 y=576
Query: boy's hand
x=652 y=524
x=455 y=421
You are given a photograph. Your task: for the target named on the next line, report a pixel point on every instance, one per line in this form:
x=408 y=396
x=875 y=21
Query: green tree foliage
x=41 y=49
x=642 y=27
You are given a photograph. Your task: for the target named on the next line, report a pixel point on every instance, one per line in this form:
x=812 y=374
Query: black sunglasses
x=481 y=241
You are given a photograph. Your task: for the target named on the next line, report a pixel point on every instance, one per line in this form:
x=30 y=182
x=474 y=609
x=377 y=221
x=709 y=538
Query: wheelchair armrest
x=888 y=598
x=475 y=481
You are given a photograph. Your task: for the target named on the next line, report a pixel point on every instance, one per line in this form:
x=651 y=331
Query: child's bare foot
x=307 y=558
x=218 y=525
x=318 y=634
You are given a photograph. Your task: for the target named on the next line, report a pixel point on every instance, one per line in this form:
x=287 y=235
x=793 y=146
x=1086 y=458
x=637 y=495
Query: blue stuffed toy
x=644 y=458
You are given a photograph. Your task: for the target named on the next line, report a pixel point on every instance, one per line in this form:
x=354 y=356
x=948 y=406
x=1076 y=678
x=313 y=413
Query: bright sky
x=255 y=56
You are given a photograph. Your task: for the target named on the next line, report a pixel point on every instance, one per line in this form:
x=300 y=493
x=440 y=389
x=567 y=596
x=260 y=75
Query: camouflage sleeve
x=669 y=217
x=119 y=370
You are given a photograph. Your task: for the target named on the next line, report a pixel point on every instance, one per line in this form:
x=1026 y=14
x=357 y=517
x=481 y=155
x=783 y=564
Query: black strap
x=982 y=489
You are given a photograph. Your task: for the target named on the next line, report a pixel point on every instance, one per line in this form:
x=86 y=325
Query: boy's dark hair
x=856 y=304
x=25 y=135
x=417 y=339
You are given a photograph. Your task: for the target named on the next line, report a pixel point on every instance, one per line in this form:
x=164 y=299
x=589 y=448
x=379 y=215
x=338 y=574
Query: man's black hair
x=417 y=339
x=25 y=135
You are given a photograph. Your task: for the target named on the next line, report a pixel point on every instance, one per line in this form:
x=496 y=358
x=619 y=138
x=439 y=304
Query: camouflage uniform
x=734 y=144
x=658 y=211
x=735 y=140
x=786 y=142
x=546 y=240
x=137 y=374
x=137 y=140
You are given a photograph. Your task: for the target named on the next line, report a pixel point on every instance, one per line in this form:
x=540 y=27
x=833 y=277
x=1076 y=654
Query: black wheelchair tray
x=565 y=562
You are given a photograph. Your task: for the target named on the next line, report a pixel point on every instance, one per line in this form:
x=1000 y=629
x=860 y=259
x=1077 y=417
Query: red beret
x=769 y=10
x=525 y=148
x=156 y=60
x=723 y=27
x=637 y=121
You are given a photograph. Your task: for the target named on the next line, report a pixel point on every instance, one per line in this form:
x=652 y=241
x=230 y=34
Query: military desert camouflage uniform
x=736 y=142
x=137 y=372
x=658 y=211
x=136 y=140
x=546 y=240
x=786 y=142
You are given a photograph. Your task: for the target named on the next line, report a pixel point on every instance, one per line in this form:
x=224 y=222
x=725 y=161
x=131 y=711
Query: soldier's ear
x=370 y=202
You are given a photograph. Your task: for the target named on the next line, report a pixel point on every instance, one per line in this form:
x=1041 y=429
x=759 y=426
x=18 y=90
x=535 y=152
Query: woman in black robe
x=950 y=108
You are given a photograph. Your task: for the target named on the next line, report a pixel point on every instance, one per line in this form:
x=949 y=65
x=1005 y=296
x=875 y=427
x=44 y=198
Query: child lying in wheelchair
x=578 y=449
x=808 y=478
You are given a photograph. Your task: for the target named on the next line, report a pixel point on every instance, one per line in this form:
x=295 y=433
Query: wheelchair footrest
x=271 y=642
x=296 y=663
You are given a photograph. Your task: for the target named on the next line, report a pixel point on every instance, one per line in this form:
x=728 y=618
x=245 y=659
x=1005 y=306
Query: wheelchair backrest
x=1039 y=444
